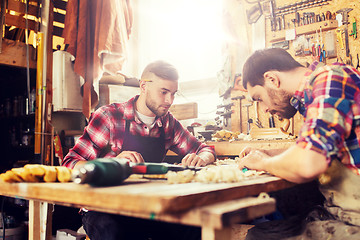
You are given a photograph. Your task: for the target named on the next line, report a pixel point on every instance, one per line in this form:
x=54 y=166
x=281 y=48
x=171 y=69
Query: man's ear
x=271 y=79
x=142 y=85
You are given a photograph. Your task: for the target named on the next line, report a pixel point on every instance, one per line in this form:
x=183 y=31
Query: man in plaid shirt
x=328 y=96
x=140 y=130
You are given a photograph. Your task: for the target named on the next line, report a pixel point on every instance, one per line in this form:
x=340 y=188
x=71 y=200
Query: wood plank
x=19 y=21
x=19 y=7
x=305 y=29
x=34 y=220
x=184 y=111
x=235 y=147
x=57 y=31
x=215 y=216
x=60 y=4
x=143 y=196
x=215 y=234
x=14 y=54
x=225 y=214
x=59 y=17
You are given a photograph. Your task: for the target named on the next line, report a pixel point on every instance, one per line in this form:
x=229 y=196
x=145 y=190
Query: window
x=186 y=33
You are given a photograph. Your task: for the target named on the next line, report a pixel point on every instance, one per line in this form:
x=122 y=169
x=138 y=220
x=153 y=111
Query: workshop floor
x=239 y=231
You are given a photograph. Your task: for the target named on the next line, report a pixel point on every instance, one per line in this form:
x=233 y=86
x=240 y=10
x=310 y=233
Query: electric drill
x=113 y=171
x=103 y=172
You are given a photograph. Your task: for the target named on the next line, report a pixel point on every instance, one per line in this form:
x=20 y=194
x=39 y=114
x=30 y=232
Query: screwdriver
x=113 y=171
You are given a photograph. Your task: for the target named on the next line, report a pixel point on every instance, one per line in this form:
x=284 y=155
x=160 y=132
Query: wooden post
x=39 y=94
x=39 y=220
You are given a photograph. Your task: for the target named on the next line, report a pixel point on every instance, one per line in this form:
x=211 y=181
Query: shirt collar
x=297 y=101
x=130 y=114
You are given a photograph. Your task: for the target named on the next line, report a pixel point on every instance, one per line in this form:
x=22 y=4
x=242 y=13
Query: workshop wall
x=308 y=32
x=325 y=32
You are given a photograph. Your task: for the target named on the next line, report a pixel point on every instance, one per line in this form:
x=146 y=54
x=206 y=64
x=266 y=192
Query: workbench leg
x=208 y=233
x=38 y=220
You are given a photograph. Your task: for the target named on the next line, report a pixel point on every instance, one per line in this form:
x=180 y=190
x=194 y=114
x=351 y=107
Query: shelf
x=14 y=54
x=13 y=118
x=305 y=29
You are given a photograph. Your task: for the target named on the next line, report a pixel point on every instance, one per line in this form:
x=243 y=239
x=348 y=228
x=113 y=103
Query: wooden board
x=184 y=111
x=142 y=195
x=235 y=147
x=14 y=54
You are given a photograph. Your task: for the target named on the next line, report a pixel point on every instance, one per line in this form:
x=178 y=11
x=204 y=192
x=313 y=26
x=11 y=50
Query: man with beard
x=140 y=130
x=327 y=149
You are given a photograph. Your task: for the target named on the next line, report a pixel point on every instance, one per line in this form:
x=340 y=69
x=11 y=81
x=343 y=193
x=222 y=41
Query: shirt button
x=145 y=127
x=329 y=146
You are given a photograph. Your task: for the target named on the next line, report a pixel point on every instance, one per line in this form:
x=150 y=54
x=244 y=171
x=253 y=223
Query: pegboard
x=324 y=35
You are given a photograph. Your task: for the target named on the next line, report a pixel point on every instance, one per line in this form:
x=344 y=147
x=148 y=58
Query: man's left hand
x=193 y=160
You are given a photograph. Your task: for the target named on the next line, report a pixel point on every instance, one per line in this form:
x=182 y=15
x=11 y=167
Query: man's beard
x=154 y=108
x=281 y=100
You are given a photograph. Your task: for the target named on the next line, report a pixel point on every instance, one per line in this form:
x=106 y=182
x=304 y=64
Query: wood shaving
x=223 y=171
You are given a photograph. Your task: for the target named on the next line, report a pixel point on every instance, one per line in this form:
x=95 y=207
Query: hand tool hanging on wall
x=226 y=114
x=254 y=13
x=339 y=38
x=272 y=15
x=257 y=120
x=241 y=97
x=345 y=21
x=300 y=5
x=271 y=121
x=249 y=120
x=354 y=30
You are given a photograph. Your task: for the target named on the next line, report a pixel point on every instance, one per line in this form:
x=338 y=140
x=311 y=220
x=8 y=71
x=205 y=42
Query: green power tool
x=113 y=171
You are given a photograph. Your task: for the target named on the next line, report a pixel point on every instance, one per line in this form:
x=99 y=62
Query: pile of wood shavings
x=223 y=171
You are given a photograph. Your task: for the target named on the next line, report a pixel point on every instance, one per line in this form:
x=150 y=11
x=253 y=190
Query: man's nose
x=169 y=98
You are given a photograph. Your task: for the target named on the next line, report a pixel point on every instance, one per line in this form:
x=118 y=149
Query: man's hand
x=296 y=164
x=253 y=159
x=193 y=160
x=133 y=156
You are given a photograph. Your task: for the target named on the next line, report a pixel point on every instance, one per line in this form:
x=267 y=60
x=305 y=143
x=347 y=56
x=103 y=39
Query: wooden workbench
x=235 y=147
x=226 y=148
x=211 y=206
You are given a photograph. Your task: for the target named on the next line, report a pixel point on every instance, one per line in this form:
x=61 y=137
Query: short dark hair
x=265 y=60
x=161 y=69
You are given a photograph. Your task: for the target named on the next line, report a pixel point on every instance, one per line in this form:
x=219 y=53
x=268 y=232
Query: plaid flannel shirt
x=107 y=128
x=329 y=100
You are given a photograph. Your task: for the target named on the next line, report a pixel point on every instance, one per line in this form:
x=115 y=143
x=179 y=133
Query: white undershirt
x=149 y=121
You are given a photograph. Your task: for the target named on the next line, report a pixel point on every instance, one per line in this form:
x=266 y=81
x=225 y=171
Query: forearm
x=297 y=165
x=208 y=157
x=274 y=152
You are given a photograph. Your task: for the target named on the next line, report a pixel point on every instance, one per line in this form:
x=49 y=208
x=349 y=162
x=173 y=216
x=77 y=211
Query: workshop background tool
x=241 y=97
x=257 y=120
x=226 y=114
x=354 y=30
x=271 y=121
x=249 y=120
x=112 y=172
x=345 y=21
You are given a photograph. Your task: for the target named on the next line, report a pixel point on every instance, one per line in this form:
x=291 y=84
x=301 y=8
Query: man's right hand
x=246 y=151
x=132 y=156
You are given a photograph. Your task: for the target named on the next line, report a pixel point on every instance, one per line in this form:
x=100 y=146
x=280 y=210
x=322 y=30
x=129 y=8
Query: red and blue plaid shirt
x=107 y=128
x=329 y=100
